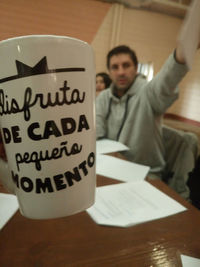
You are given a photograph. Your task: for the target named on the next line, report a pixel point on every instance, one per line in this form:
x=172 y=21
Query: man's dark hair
x=122 y=49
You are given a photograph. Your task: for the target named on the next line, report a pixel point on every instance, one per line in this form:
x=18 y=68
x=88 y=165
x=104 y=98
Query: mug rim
x=43 y=36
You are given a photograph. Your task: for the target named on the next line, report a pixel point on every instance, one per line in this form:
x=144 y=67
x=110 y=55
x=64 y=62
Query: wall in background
x=76 y=18
x=105 y=25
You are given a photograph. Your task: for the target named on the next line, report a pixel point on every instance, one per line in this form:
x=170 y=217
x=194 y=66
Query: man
x=131 y=110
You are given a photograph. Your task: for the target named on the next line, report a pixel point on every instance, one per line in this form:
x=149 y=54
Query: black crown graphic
x=41 y=67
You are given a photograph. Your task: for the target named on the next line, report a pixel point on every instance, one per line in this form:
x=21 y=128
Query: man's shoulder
x=139 y=83
x=105 y=94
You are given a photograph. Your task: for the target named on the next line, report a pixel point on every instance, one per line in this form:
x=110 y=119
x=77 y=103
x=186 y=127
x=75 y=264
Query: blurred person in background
x=103 y=81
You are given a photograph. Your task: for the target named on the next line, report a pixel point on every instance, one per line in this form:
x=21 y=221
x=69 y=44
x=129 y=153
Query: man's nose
x=121 y=70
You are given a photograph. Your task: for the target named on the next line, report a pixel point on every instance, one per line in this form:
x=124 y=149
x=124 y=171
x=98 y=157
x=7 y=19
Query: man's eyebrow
x=114 y=65
x=126 y=63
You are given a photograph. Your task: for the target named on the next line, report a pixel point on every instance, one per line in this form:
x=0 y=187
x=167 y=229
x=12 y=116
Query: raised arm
x=179 y=54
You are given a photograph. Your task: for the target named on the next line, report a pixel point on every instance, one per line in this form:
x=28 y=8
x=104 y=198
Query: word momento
x=57 y=182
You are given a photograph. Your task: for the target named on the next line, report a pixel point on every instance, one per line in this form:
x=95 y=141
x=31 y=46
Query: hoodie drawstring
x=124 y=117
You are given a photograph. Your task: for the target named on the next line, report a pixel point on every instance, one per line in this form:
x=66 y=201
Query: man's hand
x=179 y=55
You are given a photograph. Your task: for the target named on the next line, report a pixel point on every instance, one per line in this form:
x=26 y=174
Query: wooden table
x=78 y=241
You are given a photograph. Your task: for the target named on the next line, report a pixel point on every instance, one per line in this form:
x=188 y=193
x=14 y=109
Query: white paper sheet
x=189 y=35
x=126 y=204
x=107 y=146
x=119 y=169
x=190 y=261
x=8 y=207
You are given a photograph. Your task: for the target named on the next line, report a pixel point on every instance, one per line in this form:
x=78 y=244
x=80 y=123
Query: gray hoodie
x=136 y=118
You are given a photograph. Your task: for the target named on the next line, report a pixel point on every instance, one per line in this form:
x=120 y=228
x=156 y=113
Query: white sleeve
x=162 y=91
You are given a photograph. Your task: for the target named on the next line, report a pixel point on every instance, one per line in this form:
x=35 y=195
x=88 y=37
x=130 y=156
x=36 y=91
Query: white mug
x=47 y=119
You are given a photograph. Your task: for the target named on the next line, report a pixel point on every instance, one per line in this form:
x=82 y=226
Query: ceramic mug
x=47 y=119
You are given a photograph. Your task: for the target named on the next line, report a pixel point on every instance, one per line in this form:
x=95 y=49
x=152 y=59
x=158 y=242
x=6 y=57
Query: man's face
x=122 y=71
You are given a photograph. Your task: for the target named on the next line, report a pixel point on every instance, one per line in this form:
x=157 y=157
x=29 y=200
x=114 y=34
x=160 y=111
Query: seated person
x=131 y=110
x=103 y=81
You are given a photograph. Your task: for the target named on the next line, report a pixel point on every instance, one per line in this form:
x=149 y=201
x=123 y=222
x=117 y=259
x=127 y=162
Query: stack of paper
x=190 y=261
x=133 y=202
x=8 y=207
x=127 y=204
x=105 y=146
x=120 y=169
x=116 y=168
